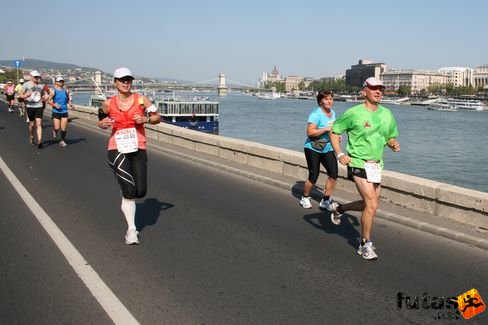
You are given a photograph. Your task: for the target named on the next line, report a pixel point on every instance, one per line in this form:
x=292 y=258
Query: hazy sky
x=199 y=39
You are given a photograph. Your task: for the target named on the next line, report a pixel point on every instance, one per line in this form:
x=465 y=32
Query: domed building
x=270 y=77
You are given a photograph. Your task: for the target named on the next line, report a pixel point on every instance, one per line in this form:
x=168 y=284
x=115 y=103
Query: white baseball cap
x=35 y=73
x=122 y=72
x=21 y=80
x=372 y=82
x=59 y=79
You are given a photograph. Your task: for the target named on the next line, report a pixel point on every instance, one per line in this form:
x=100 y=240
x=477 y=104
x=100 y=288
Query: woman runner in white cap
x=127 y=113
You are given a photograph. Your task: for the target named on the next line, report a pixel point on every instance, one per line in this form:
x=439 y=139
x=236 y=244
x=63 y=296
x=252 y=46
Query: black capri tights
x=315 y=159
x=130 y=170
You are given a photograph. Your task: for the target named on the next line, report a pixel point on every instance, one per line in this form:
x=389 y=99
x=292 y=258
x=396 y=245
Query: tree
x=337 y=86
x=279 y=86
x=450 y=90
x=424 y=92
x=436 y=89
x=9 y=74
x=404 y=90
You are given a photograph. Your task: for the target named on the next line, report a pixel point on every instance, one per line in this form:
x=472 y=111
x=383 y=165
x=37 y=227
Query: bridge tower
x=98 y=77
x=222 y=89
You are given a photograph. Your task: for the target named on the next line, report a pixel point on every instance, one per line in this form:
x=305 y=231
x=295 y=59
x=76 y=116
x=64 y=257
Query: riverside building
x=479 y=76
x=274 y=76
x=356 y=75
x=416 y=79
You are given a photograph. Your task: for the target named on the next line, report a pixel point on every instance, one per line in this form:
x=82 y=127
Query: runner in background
x=20 y=101
x=60 y=99
x=318 y=151
x=33 y=92
x=9 y=91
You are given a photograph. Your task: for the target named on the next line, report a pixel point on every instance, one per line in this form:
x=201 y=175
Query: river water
x=449 y=147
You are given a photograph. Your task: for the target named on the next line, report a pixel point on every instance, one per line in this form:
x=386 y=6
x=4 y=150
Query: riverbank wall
x=459 y=204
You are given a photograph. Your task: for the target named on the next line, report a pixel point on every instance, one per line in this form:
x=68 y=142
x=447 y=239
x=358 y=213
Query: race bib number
x=373 y=172
x=126 y=140
x=35 y=97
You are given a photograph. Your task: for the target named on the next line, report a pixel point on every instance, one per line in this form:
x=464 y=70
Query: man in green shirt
x=369 y=127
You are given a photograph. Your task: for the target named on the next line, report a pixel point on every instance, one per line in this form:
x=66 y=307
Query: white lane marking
x=105 y=297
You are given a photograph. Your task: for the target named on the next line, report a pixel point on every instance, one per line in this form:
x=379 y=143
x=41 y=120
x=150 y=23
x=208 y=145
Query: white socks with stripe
x=129 y=208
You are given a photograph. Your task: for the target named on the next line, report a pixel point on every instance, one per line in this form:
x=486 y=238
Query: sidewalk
x=411 y=218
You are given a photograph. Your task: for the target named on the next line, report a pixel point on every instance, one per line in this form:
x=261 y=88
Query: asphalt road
x=216 y=248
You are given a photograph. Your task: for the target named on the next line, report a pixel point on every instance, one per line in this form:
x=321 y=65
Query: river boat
x=394 y=101
x=268 y=95
x=195 y=113
x=467 y=104
x=452 y=105
x=442 y=105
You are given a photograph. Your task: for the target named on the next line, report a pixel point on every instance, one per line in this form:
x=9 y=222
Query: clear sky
x=199 y=39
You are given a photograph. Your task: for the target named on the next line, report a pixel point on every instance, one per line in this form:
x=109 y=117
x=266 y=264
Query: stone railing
x=449 y=201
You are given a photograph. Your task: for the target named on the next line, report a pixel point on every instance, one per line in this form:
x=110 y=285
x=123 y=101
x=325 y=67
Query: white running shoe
x=131 y=237
x=305 y=202
x=62 y=144
x=335 y=216
x=367 y=251
x=327 y=204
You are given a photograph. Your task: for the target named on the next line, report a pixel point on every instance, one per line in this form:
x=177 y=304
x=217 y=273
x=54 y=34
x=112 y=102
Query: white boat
x=467 y=104
x=268 y=95
x=197 y=113
x=394 y=101
x=452 y=105
x=442 y=105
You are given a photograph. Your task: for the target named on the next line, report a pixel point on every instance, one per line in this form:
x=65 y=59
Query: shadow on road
x=52 y=142
x=321 y=220
x=147 y=212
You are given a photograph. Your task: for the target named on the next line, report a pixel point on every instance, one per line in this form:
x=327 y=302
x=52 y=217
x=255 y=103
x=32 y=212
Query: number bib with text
x=126 y=140
x=373 y=172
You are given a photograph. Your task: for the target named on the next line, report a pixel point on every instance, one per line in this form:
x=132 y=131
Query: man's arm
x=335 y=140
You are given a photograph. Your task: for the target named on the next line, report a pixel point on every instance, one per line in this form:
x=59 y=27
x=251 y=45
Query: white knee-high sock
x=129 y=208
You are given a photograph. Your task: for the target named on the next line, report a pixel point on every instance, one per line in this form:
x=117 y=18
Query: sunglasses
x=124 y=80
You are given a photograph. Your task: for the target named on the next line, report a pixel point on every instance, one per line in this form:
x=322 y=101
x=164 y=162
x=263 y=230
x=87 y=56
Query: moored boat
x=195 y=113
x=467 y=104
x=442 y=105
x=452 y=105
x=394 y=101
x=268 y=95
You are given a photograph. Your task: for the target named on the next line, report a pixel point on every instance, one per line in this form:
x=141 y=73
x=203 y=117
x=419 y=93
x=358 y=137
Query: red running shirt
x=125 y=120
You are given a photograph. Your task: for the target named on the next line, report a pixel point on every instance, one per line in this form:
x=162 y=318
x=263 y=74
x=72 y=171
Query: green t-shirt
x=367 y=133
